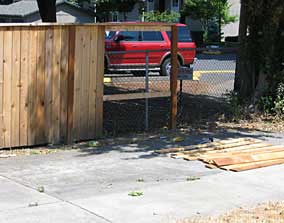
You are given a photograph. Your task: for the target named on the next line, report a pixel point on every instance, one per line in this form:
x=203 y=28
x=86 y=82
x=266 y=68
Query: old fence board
x=7 y=82
x=25 y=43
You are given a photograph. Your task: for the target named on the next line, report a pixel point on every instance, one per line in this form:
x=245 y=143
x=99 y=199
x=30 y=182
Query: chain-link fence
x=137 y=90
x=203 y=99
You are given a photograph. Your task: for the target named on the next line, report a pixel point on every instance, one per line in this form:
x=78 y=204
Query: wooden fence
x=51 y=82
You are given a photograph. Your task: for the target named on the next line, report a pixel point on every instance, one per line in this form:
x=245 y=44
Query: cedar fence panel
x=51 y=85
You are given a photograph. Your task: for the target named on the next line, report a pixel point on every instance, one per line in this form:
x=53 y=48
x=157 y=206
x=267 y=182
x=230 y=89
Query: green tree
x=207 y=11
x=167 y=16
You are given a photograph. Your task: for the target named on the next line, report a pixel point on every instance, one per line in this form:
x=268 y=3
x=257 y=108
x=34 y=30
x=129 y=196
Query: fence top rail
x=108 y=26
x=138 y=26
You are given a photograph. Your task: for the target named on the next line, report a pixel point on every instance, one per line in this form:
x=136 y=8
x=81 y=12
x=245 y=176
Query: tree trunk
x=47 y=10
x=244 y=72
x=259 y=67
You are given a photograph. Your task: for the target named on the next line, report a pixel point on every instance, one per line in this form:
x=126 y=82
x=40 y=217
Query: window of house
x=114 y=16
x=130 y=35
x=152 y=36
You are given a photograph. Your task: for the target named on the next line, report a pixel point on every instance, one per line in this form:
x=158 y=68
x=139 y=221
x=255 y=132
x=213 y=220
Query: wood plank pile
x=233 y=154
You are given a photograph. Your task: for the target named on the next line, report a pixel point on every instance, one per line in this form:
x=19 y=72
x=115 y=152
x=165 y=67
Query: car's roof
x=146 y=23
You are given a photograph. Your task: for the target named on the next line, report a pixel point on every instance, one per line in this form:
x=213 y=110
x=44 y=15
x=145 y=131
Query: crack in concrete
x=52 y=196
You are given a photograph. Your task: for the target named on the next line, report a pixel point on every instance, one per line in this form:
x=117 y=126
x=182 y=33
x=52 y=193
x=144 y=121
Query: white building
x=232 y=29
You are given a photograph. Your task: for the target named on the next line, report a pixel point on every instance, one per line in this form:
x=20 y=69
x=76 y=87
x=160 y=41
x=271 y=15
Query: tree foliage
x=167 y=16
x=207 y=11
x=114 y=5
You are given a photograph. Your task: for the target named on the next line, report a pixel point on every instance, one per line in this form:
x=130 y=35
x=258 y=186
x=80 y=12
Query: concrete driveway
x=92 y=185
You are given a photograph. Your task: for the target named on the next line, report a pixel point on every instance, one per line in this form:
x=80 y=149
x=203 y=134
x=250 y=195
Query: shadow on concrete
x=143 y=146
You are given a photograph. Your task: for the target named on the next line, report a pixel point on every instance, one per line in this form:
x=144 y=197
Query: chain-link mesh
x=198 y=99
x=202 y=99
x=134 y=115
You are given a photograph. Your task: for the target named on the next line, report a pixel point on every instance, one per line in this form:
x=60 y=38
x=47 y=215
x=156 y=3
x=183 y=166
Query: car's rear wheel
x=166 y=67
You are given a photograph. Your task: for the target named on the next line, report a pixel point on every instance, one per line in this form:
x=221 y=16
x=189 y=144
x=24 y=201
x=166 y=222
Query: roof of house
x=25 y=7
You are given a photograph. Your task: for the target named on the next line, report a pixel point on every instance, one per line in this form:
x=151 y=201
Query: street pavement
x=92 y=185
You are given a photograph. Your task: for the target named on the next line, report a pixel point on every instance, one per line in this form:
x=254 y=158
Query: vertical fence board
x=84 y=92
x=77 y=81
x=40 y=77
x=71 y=84
x=1 y=86
x=7 y=93
x=25 y=43
x=100 y=81
x=15 y=99
x=48 y=82
x=64 y=84
x=93 y=83
x=32 y=120
x=56 y=85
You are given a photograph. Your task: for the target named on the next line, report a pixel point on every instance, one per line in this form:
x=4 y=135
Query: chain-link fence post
x=180 y=103
x=147 y=90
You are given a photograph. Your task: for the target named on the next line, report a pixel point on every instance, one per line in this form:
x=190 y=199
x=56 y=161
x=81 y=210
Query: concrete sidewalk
x=92 y=186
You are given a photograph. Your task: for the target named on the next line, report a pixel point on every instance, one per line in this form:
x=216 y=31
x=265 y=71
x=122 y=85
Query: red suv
x=119 y=45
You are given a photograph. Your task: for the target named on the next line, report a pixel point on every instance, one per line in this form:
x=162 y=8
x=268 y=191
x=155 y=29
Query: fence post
x=147 y=90
x=70 y=91
x=174 y=74
x=100 y=80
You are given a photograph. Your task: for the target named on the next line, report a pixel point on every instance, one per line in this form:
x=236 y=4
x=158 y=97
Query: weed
x=273 y=104
x=192 y=178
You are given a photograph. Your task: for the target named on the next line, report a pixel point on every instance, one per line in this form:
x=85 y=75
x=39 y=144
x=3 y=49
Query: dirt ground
x=271 y=212
x=265 y=124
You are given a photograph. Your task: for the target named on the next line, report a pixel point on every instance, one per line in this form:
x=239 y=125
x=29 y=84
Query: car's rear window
x=152 y=36
x=183 y=34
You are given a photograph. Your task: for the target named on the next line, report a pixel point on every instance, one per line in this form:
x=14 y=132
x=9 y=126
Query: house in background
x=27 y=11
x=149 y=5
x=176 y=5
x=163 y=5
x=232 y=29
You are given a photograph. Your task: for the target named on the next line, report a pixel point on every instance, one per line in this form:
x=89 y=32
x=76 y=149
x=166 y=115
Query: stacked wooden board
x=232 y=154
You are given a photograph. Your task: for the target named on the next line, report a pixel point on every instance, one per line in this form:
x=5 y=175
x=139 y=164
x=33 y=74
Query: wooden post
x=70 y=90
x=100 y=80
x=174 y=74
